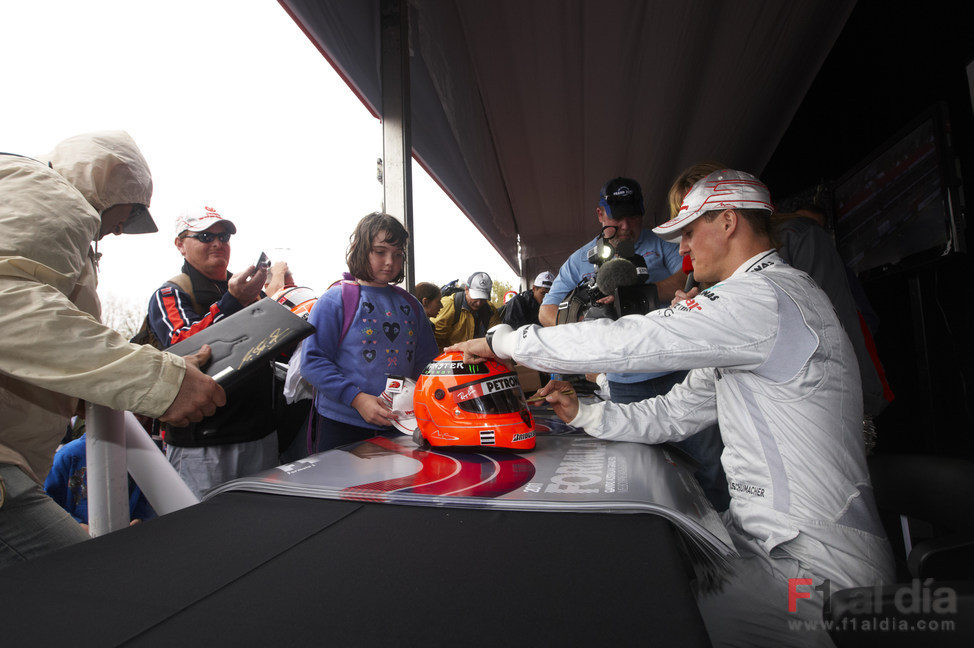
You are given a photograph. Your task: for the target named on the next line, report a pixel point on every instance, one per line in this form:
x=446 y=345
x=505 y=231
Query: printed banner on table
x=567 y=473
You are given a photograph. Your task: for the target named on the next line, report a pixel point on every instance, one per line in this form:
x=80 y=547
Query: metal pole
x=108 y=491
x=396 y=122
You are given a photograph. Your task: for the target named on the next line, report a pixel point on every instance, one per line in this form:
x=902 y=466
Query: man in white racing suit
x=771 y=363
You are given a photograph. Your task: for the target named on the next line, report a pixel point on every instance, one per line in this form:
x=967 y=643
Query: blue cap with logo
x=621 y=197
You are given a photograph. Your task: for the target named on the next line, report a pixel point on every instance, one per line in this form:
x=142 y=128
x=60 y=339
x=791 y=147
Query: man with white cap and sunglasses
x=523 y=308
x=54 y=351
x=238 y=439
x=771 y=363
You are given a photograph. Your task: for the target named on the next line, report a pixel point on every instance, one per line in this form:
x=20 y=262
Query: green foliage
x=497 y=292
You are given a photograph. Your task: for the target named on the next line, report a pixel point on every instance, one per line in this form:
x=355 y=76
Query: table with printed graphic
x=253 y=569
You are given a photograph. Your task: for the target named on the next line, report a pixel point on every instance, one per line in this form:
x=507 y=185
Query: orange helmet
x=479 y=405
x=298 y=298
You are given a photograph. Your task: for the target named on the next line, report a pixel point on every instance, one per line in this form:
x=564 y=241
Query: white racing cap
x=201 y=217
x=725 y=189
x=543 y=280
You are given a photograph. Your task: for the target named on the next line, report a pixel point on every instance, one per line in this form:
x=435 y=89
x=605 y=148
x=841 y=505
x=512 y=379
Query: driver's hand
x=562 y=398
x=475 y=350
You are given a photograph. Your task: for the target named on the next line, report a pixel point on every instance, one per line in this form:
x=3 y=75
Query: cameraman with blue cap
x=621 y=207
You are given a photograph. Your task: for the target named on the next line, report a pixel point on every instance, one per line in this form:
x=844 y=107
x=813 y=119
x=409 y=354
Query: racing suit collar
x=759 y=262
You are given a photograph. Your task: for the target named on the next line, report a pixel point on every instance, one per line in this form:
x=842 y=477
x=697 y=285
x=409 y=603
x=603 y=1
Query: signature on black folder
x=267 y=343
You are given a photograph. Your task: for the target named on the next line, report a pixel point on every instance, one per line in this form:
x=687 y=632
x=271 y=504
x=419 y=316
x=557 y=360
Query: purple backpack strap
x=350 y=293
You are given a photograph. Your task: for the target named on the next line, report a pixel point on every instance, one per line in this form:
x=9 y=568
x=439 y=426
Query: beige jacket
x=53 y=350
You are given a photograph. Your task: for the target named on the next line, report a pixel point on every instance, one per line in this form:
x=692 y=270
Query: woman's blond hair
x=685 y=181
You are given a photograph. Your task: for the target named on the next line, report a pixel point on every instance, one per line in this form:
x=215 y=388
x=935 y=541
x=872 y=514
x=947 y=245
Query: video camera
x=621 y=274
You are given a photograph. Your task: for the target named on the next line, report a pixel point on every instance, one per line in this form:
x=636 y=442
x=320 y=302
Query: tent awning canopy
x=523 y=109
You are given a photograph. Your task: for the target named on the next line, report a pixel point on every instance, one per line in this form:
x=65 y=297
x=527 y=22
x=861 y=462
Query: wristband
x=503 y=342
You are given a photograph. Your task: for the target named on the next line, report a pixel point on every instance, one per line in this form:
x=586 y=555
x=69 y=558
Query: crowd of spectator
x=703 y=377
x=60 y=204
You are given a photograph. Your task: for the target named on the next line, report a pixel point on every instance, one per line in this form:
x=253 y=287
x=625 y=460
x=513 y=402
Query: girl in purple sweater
x=388 y=336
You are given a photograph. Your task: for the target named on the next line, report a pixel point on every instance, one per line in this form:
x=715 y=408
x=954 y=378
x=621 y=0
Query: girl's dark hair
x=360 y=243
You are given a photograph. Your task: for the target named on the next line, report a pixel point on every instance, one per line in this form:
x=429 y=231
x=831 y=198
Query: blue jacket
x=390 y=336
x=67 y=484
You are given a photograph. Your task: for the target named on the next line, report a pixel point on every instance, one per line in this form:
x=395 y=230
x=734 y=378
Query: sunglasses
x=207 y=237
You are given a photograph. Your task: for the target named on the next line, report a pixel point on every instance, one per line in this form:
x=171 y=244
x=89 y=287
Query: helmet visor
x=496 y=395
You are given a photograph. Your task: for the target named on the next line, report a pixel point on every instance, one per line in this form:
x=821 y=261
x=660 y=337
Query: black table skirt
x=249 y=569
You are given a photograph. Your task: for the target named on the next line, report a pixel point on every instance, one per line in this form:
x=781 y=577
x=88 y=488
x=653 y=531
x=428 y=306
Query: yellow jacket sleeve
x=443 y=323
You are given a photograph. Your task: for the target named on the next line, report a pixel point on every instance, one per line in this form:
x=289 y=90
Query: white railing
x=116 y=446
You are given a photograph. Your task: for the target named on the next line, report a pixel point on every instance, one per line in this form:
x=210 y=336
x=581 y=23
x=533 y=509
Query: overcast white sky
x=231 y=105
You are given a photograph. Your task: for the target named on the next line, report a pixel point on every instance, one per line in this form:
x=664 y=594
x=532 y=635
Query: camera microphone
x=615 y=273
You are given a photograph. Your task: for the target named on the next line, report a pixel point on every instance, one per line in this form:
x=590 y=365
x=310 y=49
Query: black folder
x=246 y=340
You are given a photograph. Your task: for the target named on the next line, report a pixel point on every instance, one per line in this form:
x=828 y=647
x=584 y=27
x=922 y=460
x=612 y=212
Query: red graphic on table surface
x=476 y=475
